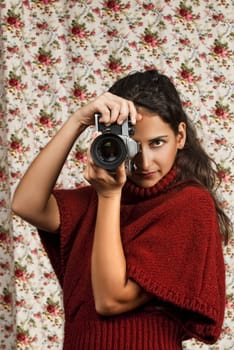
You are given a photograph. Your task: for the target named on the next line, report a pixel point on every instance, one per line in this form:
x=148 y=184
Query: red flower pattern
x=54 y=60
x=113 y=5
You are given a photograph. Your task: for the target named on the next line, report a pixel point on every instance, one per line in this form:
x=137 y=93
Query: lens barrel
x=108 y=151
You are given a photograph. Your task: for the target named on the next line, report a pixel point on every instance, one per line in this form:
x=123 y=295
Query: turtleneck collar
x=132 y=193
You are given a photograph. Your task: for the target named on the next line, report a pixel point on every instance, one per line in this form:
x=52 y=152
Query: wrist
x=77 y=123
x=109 y=204
x=110 y=195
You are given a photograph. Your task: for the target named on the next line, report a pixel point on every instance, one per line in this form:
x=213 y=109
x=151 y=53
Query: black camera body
x=114 y=145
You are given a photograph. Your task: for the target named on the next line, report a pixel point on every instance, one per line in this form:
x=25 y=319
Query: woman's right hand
x=111 y=107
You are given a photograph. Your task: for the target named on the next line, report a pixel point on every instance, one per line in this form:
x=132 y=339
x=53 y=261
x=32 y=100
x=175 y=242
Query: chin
x=145 y=183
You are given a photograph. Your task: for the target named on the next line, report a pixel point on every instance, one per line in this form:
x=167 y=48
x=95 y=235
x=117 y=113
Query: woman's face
x=159 y=146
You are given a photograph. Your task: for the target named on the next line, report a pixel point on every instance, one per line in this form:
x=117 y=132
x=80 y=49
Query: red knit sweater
x=173 y=250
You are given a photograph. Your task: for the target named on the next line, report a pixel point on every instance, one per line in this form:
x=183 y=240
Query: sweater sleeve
x=177 y=256
x=72 y=205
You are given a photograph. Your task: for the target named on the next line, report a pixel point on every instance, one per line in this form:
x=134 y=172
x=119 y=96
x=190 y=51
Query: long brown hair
x=157 y=93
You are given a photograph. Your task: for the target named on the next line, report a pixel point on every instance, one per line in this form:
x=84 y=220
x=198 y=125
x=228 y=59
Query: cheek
x=166 y=155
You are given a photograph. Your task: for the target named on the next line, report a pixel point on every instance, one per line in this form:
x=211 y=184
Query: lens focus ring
x=108 y=151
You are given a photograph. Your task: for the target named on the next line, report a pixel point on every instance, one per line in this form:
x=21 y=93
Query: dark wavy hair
x=156 y=93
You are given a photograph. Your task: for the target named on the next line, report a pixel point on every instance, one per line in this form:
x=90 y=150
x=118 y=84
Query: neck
x=134 y=193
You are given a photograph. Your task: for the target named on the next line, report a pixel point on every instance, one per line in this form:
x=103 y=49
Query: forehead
x=151 y=126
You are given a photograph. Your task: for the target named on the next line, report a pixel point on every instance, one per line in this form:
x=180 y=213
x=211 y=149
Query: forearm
x=108 y=260
x=114 y=292
x=35 y=187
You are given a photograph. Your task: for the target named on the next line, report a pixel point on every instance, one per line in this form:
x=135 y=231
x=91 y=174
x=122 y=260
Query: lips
x=146 y=174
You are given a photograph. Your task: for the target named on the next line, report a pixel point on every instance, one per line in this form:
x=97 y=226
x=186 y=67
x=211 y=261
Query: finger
x=104 y=114
x=138 y=114
x=124 y=112
x=90 y=170
x=90 y=161
x=94 y=135
x=86 y=172
x=132 y=112
x=118 y=109
x=120 y=174
x=115 y=109
x=88 y=153
x=104 y=105
x=114 y=113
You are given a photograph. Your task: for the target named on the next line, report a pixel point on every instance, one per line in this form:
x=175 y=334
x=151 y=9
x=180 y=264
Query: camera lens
x=108 y=151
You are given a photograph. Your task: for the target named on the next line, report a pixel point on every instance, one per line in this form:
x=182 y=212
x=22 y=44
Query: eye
x=157 y=143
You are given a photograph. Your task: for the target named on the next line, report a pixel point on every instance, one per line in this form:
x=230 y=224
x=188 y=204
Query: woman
x=138 y=255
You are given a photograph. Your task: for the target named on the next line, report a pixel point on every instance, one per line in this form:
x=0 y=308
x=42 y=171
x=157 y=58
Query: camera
x=114 y=145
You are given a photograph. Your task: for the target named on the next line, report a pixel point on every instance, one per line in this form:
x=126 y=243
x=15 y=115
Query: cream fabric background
x=56 y=55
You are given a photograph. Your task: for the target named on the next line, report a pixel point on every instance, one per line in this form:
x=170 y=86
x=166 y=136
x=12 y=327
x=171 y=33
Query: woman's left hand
x=107 y=184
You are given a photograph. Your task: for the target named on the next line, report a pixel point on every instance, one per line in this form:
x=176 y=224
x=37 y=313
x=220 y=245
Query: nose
x=143 y=159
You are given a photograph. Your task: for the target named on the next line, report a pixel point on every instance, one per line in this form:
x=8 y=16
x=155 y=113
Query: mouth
x=146 y=175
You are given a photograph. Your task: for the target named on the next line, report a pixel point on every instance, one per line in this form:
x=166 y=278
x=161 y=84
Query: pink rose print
x=222 y=111
x=77 y=59
x=80 y=156
x=44 y=57
x=79 y=91
x=4 y=238
x=220 y=49
x=185 y=41
x=7 y=297
x=14 y=81
x=224 y=175
x=221 y=141
x=44 y=87
x=79 y=30
x=16 y=144
x=113 y=5
x=219 y=17
x=20 y=274
x=42 y=25
x=146 y=67
x=219 y=79
x=116 y=5
x=3 y=175
x=149 y=6
x=150 y=38
x=185 y=12
x=187 y=74
x=46 y=121
x=115 y=65
x=47 y=2
x=13 y=20
x=12 y=49
x=53 y=338
x=52 y=308
x=113 y=33
x=22 y=336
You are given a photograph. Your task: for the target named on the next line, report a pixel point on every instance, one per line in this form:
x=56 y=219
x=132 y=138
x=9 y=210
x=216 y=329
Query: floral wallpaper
x=56 y=55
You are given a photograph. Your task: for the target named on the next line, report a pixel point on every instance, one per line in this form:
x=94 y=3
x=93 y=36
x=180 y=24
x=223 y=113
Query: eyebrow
x=158 y=138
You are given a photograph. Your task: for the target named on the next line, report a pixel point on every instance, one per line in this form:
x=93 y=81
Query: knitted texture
x=173 y=249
